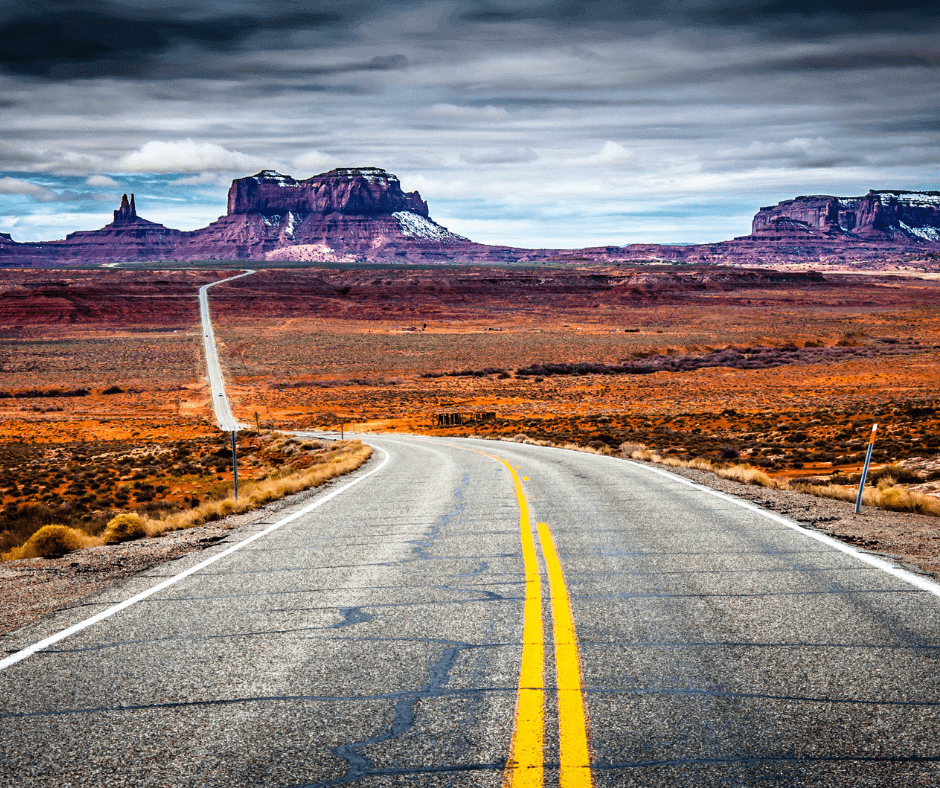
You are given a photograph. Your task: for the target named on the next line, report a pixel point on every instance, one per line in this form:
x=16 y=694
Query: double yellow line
x=525 y=767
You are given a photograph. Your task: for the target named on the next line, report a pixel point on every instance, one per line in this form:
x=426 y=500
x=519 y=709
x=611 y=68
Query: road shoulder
x=911 y=540
x=36 y=587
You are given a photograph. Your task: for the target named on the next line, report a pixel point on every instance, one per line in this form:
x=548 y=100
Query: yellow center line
x=572 y=714
x=525 y=765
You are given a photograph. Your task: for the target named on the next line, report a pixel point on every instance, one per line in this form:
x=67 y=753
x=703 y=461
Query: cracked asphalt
x=376 y=641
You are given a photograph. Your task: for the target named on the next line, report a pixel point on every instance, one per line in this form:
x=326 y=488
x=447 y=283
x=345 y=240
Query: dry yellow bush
x=124 y=528
x=51 y=540
x=900 y=499
x=826 y=491
x=749 y=475
x=627 y=449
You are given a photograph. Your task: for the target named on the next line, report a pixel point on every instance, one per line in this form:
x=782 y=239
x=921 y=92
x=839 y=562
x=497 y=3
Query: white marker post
x=861 y=484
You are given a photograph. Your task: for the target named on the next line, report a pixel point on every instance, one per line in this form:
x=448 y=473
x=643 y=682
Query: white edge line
x=52 y=639
x=879 y=563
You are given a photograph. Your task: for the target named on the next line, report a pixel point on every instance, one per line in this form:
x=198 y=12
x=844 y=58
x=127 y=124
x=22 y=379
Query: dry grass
x=343 y=457
x=886 y=495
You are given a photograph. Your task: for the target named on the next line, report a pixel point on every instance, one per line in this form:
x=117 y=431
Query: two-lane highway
x=381 y=638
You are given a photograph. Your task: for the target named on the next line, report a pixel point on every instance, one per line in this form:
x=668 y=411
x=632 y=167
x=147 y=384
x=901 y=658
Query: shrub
x=124 y=528
x=50 y=540
x=628 y=450
x=748 y=475
x=896 y=474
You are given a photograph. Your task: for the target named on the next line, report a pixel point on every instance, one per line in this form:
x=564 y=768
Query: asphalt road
x=379 y=638
x=223 y=414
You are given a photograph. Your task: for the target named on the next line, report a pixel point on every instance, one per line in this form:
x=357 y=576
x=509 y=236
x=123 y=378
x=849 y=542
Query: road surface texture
x=379 y=639
x=223 y=414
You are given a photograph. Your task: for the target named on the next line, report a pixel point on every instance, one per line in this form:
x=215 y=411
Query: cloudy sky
x=531 y=123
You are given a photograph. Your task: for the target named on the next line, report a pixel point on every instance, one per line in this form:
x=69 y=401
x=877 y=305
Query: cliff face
x=878 y=216
x=359 y=211
x=363 y=215
x=361 y=191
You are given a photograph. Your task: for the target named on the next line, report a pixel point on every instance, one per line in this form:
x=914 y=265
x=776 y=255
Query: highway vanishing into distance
x=223 y=412
x=468 y=612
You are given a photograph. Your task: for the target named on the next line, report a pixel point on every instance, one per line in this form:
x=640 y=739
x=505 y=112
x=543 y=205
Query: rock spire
x=127 y=213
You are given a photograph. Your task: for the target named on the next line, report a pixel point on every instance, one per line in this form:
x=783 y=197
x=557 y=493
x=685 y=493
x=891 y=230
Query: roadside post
x=861 y=483
x=234 y=465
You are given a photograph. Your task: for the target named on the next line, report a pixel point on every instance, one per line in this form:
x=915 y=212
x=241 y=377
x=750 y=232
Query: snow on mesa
x=415 y=226
x=284 y=181
x=927 y=233
x=914 y=198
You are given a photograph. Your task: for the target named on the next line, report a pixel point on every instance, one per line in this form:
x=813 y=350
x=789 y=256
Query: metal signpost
x=861 y=484
x=235 y=466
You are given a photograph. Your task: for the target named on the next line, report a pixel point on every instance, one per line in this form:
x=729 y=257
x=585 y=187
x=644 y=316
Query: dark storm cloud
x=861 y=59
x=530 y=110
x=917 y=122
x=779 y=18
x=66 y=39
x=810 y=19
x=100 y=39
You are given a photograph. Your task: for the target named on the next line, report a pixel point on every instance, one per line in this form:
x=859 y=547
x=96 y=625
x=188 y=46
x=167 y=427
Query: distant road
x=223 y=414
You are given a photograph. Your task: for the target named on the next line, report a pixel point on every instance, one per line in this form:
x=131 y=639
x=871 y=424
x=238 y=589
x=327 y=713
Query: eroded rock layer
x=363 y=215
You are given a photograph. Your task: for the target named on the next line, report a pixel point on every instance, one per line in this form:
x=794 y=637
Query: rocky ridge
x=362 y=214
x=879 y=215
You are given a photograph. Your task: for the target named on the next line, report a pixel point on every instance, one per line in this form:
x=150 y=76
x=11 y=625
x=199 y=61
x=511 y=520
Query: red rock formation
x=363 y=215
x=127 y=238
x=126 y=214
x=359 y=211
x=878 y=216
x=359 y=191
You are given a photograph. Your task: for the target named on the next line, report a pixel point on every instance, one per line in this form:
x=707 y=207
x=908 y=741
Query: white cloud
x=204 y=179
x=102 y=181
x=51 y=226
x=610 y=153
x=313 y=162
x=189 y=156
x=26 y=189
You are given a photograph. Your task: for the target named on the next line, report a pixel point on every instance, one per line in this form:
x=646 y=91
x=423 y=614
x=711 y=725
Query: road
x=412 y=630
x=223 y=414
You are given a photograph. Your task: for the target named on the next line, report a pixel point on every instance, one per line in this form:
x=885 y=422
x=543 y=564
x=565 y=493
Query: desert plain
x=104 y=403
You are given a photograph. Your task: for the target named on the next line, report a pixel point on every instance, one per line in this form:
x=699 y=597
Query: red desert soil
x=373 y=348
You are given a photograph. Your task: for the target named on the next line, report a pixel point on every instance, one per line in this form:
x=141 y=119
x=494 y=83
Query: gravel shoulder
x=35 y=587
x=912 y=540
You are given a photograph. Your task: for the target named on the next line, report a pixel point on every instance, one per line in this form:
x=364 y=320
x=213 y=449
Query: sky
x=529 y=123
